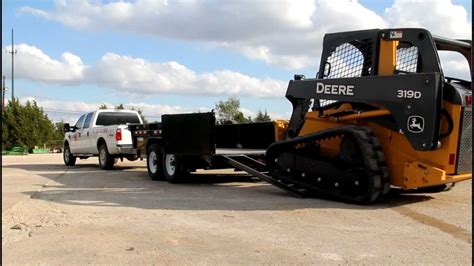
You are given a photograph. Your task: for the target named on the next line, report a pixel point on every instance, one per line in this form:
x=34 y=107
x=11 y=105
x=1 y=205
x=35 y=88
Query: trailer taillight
x=118 y=134
x=468 y=100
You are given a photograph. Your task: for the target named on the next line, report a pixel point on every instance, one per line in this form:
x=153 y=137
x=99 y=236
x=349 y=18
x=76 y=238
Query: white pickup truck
x=103 y=133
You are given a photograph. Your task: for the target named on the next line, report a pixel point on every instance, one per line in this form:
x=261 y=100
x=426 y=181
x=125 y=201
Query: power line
x=52 y=110
x=64 y=111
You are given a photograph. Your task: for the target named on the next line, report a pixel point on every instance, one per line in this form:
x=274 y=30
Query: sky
x=184 y=56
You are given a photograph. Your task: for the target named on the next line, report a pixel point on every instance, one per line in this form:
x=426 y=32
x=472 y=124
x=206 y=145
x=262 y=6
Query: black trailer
x=183 y=143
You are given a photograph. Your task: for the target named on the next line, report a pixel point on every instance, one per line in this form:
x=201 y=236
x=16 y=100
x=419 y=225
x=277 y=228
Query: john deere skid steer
x=380 y=113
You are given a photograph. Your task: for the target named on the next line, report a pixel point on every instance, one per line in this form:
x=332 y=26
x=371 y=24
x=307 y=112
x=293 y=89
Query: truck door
x=85 y=142
x=74 y=142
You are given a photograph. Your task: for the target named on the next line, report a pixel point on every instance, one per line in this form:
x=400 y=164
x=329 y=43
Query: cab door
x=85 y=141
x=75 y=137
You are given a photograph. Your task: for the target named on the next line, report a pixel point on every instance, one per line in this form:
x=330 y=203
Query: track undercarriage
x=356 y=173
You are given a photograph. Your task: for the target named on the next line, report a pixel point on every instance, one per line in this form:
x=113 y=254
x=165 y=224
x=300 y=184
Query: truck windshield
x=116 y=118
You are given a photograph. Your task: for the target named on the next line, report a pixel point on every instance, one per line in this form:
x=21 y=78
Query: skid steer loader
x=379 y=113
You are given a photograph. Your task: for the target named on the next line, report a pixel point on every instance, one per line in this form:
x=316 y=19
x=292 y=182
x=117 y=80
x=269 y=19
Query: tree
x=58 y=135
x=138 y=109
x=140 y=112
x=25 y=125
x=103 y=106
x=262 y=117
x=230 y=110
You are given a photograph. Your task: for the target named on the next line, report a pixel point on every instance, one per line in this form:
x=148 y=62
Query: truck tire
x=68 y=157
x=173 y=168
x=106 y=161
x=154 y=162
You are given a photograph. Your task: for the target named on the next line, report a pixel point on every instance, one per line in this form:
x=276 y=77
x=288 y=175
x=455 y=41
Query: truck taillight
x=118 y=134
x=468 y=100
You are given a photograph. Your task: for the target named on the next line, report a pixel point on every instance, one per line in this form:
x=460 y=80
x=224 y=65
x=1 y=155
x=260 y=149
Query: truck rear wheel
x=106 y=161
x=174 y=170
x=68 y=157
x=154 y=162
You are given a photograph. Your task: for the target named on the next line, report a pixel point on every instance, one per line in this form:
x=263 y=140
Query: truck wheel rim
x=152 y=162
x=170 y=161
x=102 y=156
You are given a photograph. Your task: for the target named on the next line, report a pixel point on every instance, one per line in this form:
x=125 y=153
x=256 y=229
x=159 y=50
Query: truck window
x=87 y=122
x=80 y=122
x=116 y=118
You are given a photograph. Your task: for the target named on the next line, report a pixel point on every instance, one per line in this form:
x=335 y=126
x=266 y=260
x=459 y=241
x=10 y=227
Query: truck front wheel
x=154 y=162
x=68 y=157
x=174 y=168
x=106 y=161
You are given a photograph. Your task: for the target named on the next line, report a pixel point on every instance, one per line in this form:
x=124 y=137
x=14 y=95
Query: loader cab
x=421 y=115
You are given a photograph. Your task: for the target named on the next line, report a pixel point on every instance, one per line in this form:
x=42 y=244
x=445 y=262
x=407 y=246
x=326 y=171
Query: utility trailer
x=182 y=143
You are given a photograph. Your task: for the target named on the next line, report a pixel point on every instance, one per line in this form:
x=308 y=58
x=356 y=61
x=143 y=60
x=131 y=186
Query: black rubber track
x=288 y=162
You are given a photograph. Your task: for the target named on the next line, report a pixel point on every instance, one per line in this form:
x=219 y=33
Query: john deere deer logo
x=416 y=124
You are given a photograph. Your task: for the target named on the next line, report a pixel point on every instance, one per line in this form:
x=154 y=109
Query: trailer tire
x=106 y=161
x=154 y=162
x=68 y=157
x=173 y=168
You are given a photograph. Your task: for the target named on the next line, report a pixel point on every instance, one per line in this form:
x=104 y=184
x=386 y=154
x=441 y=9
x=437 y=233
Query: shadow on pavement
x=126 y=186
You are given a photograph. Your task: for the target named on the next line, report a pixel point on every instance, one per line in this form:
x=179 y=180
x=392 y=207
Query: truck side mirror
x=67 y=128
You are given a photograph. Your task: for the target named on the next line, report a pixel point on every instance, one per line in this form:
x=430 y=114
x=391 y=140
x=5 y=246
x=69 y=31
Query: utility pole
x=4 y=89
x=13 y=52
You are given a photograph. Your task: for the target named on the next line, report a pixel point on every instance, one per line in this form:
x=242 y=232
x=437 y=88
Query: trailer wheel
x=68 y=157
x=106 y=161
x=154 y=162
x=173 y=167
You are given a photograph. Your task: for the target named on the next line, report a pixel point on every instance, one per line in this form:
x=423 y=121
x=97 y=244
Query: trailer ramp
x=257 y=168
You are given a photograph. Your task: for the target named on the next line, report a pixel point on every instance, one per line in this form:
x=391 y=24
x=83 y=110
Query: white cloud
x=32 y=63
x=284 y=33
x=253 y=113
x=454 y=65
x=138 y=76
x=69 y=111
x=442 y=17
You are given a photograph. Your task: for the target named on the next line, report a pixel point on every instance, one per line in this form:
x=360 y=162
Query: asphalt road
x=52 y=214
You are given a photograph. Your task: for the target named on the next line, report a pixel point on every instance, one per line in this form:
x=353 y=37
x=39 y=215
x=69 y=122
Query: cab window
x=87 y=122
x=80 y=122
x=117 y=118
